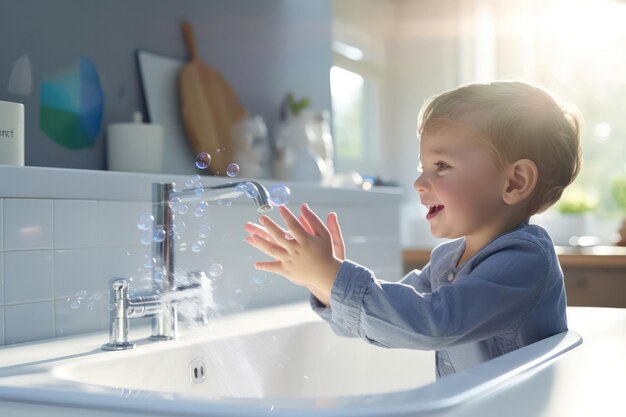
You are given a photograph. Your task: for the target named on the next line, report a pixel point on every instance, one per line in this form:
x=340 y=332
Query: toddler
x=491 y=155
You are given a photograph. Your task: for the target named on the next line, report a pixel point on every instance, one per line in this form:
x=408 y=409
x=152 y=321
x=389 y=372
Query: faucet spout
x=258 y=193
x=163 y=280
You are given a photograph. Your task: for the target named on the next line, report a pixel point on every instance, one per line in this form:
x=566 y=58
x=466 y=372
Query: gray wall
x=264 y=48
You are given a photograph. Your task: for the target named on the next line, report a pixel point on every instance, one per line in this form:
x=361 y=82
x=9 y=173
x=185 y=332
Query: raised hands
x=308 y=253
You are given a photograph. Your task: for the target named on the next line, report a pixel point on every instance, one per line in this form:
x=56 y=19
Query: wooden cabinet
x=593 y=276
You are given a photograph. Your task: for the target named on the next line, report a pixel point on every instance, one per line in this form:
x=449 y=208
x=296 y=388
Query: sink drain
x=197 y=371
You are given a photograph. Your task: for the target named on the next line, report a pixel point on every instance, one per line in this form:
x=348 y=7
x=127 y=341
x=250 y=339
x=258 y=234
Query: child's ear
x=521 y=180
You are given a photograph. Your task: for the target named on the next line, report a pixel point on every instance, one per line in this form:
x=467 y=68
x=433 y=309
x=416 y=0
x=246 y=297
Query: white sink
x=267 y=362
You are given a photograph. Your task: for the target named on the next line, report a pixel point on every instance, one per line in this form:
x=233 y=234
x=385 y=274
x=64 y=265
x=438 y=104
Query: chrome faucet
x=161 y=303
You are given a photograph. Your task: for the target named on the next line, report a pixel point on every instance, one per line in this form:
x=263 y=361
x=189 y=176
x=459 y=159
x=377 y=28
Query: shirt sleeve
x=417 y=278
x=498 y=294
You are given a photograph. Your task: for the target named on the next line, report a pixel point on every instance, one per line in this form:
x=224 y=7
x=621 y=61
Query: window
x=354 y=84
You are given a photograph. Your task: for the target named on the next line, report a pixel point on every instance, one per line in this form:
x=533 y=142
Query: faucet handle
x=118 y=334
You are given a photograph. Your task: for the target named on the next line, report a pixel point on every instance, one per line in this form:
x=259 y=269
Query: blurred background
x=358 y=70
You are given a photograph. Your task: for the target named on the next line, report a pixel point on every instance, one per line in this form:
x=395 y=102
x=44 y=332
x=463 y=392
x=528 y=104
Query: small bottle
x=11 y=133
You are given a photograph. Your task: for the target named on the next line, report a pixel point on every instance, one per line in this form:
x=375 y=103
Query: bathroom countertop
x=596 y=256
x=61 y=183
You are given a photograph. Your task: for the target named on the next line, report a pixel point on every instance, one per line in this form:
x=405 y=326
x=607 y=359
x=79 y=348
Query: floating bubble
x=159 y=235
x=249 y=189
x=81 y=293
x=201 y=209
x=204 y=231
x=232 y=170
x=228 y=203
x=111 y=306
x=258 y=279
x=279 y=195
x=175 y=203
x=220 y=202
x=216 y=270
x=203 y=160
x=183 y=208
x=146 y=238
x=198 y=191
x=145 y=221
x=74 y=303
x=178 y=229
x=197 y=246
x=148 y=261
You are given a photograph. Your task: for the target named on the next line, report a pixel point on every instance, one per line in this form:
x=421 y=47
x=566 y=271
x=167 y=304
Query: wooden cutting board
x=209 y=108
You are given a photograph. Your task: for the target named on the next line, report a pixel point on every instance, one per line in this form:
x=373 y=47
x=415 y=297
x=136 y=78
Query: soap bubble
x=204 y=231
x=228 y=203
x=192 y=181
x=232 y=170
x=198 y=191
x=258 y=279
x=248 y=188
x=175 y=203
x=198 y=246
x=178 y=229
x=203 y=160
x=145 y=221
x=201 y=209
x=183 y=208
x=148 y=261
x=279 y=195
x=146 y=238
x=74 y=303
x=216 y=270
x=159 y=235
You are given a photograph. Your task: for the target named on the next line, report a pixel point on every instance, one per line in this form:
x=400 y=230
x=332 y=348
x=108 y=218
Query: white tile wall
x=86 y=316
x=27 y=224
x=53 y=249
x=28 y=276
x=77 y=270
x=26 y=322
x=1 y=224
x=75 y=224
x=1 y=325
x=117 y=223
x=1 y=278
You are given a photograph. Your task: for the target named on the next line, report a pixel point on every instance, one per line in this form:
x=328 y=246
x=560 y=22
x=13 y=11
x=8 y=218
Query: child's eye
x=441 y=165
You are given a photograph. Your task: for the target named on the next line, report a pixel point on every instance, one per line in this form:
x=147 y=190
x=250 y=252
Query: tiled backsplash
x=57 y=256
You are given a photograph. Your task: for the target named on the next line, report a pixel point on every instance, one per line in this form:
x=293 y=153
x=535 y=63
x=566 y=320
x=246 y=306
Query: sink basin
x=276 y=361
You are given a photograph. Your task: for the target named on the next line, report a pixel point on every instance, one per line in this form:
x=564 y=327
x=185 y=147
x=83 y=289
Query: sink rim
x=31 y=382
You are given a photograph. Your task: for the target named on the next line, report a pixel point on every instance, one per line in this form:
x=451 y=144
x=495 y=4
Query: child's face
x=460 y=183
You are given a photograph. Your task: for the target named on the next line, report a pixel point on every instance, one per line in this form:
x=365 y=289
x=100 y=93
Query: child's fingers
x=273 y=266
x=265 y=246
x=315 y=222
x=255 y=229
x=278 y=234
x=306 y=225
x=335 y=233
x=293 y=224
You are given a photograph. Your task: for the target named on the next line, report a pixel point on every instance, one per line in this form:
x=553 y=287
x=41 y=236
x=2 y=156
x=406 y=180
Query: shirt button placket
x=450 y=276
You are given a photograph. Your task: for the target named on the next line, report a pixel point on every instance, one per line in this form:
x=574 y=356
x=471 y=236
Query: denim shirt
x=508 y=295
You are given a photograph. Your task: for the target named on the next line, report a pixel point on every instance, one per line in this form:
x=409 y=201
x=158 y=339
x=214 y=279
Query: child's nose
x=420 y=184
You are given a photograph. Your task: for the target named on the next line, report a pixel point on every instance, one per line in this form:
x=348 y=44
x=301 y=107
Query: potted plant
x=574 y=207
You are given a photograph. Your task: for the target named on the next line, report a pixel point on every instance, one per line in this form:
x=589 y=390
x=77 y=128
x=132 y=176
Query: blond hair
x=516 y=121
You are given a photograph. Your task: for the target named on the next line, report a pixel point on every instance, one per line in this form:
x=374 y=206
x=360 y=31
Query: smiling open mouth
x=433 y=210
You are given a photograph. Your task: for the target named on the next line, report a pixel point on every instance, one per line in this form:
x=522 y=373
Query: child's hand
x=307 y=254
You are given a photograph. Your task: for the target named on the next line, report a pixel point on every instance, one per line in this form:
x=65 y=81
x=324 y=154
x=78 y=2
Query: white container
x=11 y=133
x=135 y=147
